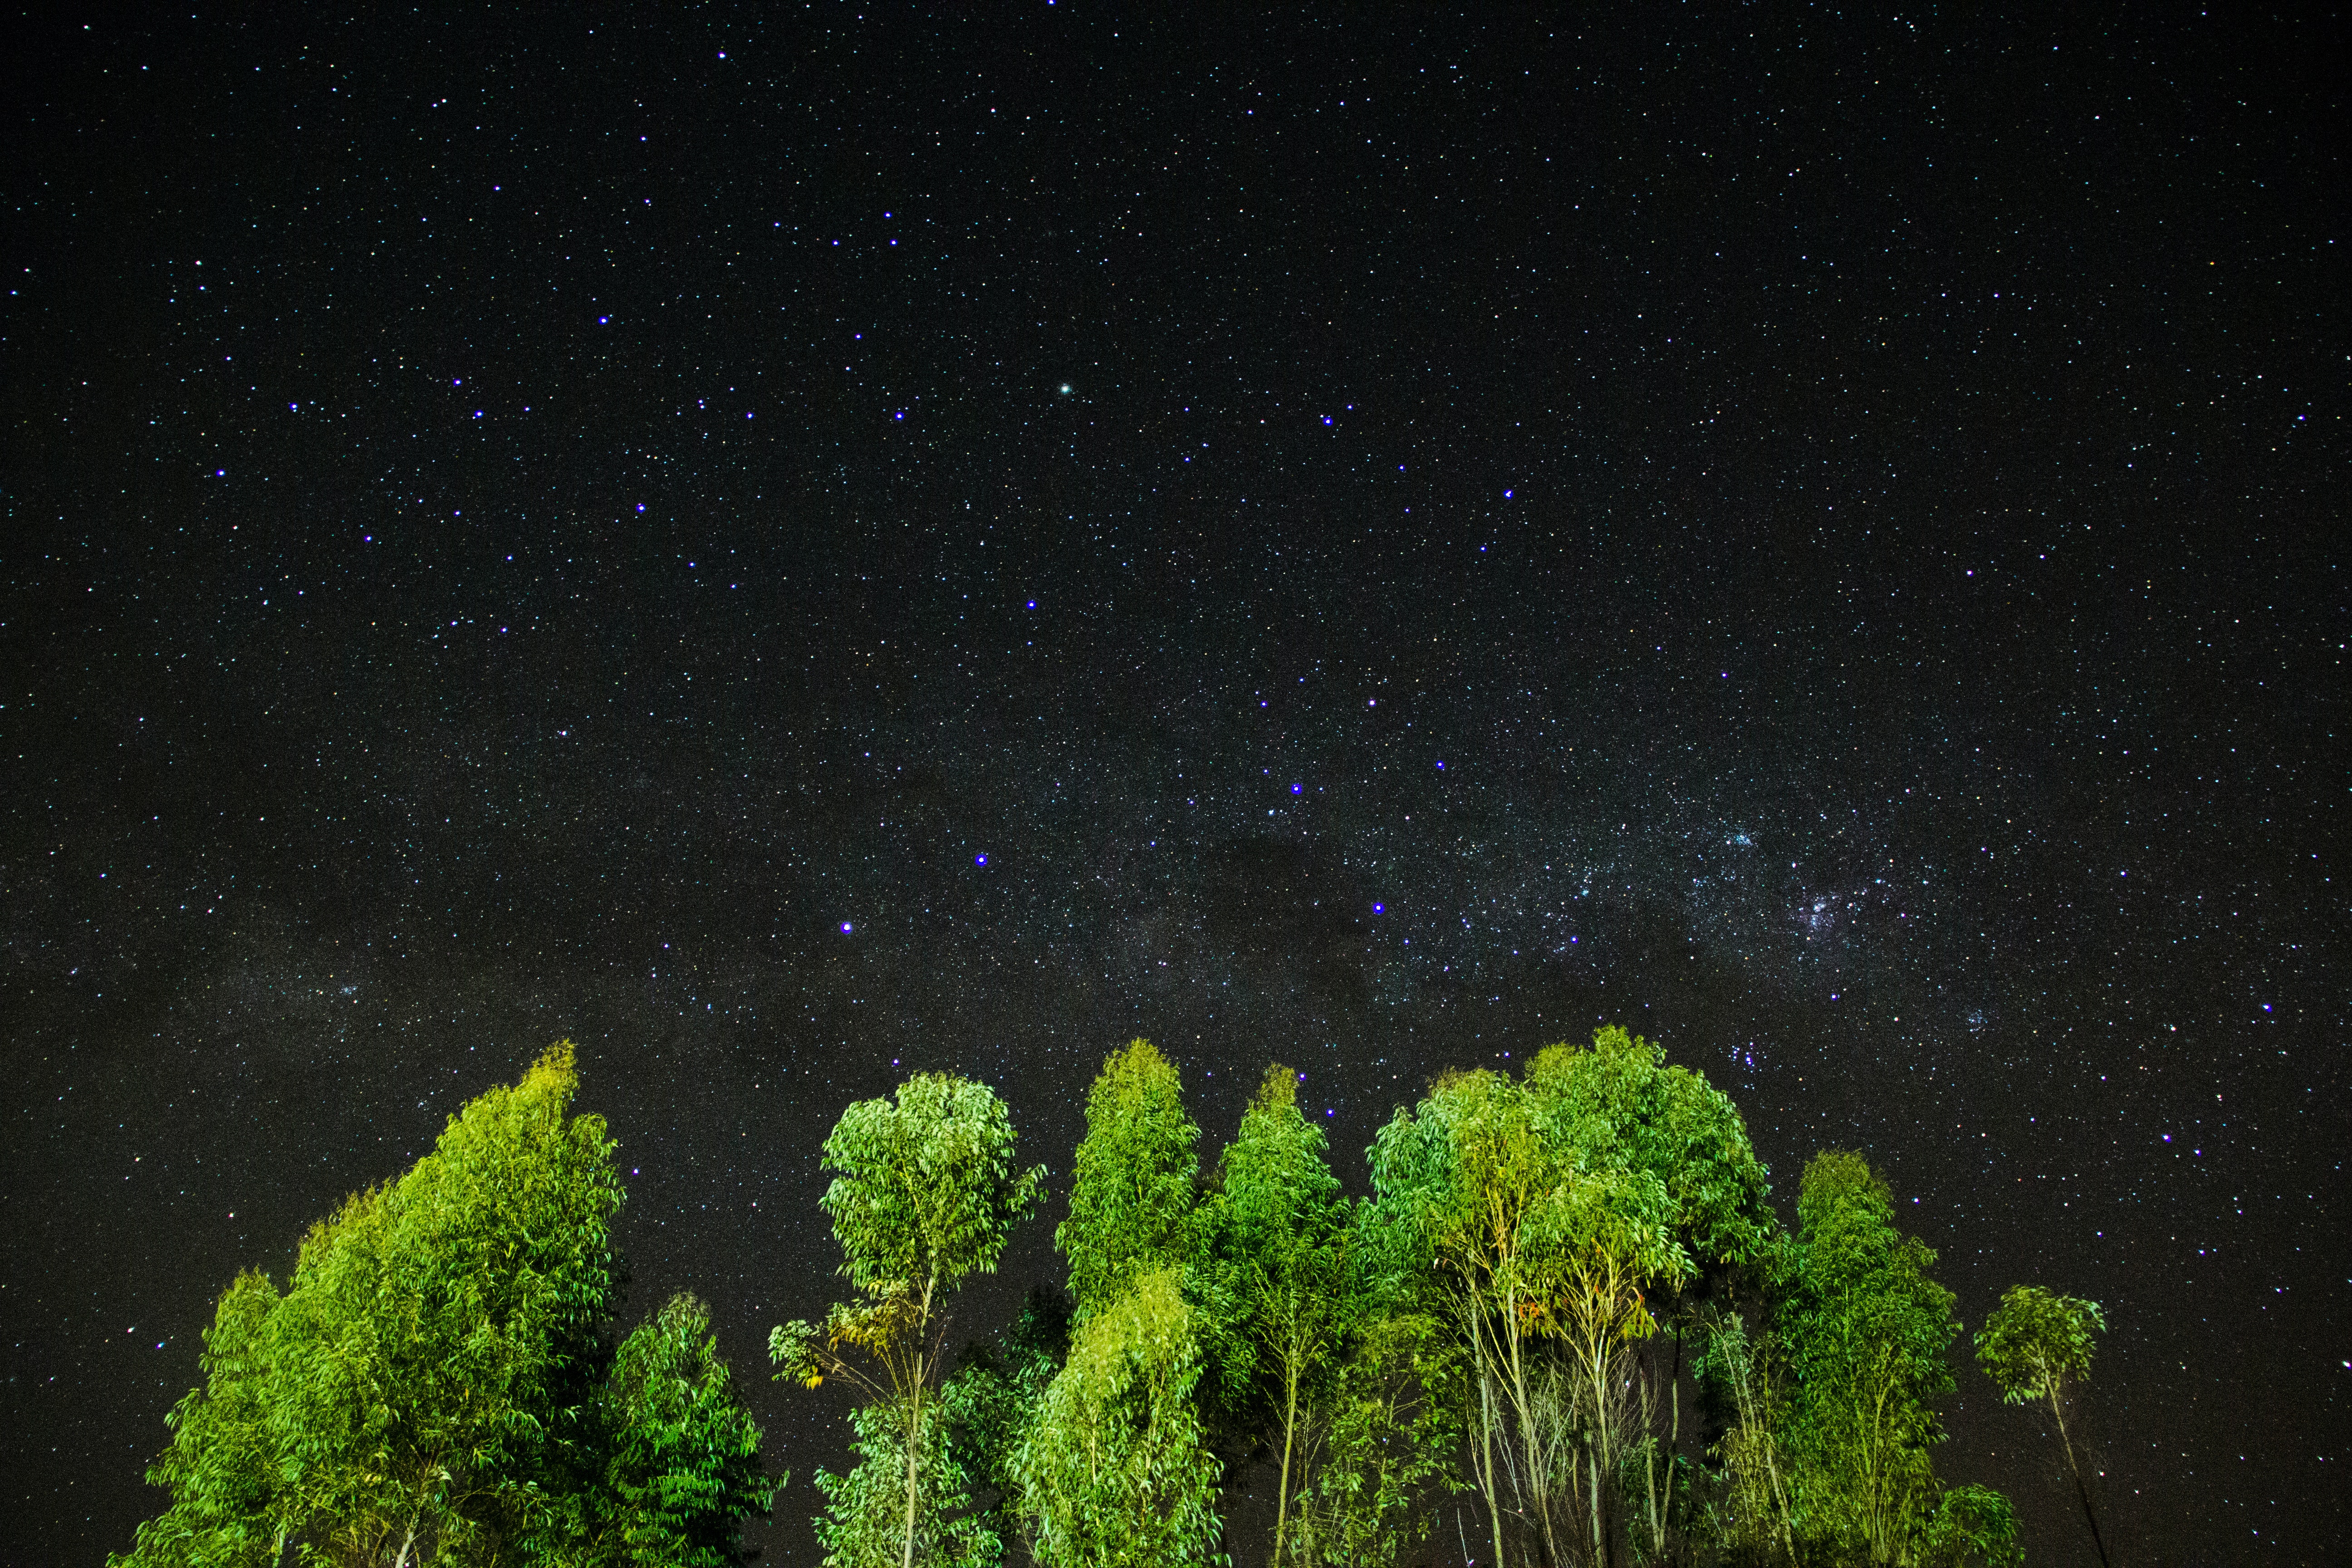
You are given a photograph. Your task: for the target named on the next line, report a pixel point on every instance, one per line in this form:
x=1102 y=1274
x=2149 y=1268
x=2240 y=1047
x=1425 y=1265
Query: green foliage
x=1134 y=1181
x=1114 y=1471
x=2031 y=1346
x=1970 y=1525
x=926 y=1193
x=218 y=1468
x=1394 y=1423
x=1618 y=1107
x=1749 y=1516
x=1282 y=1231
x=2036 y=1340
x=683 y=1469
x=865 y=1521
x=989 y=1404
x=429 y=1386
x=1868 y=1330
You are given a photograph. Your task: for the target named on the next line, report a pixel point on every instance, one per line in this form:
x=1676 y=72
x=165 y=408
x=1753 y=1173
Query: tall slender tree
x=1282 y=1235
x=1868 y=1329
x=2036 y=1343
x=1458 y=1181
x=1135 y=1180
x=926 y=1193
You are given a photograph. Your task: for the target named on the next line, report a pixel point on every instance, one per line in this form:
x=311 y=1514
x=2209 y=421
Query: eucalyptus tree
x=1281 y=1238
x=681 y=1456
x=1455 y=1183
x=926 y=1193
x=1674 y=1153
x=1387 y=1437
x=432 y=1384
x=1115 y=1470
x=1134 y=1181
x=1116 y=1467
x=2034 y=1345
x=1868 y=1329
x=1751 y=1518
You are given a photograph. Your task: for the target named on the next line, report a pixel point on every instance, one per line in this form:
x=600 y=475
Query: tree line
x=1565 y=1327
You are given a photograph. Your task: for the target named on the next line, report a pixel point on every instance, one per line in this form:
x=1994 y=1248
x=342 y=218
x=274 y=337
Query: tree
x=1604 y=1239
x=682 y=1470
x=1134 y=1183
x=1115 y=1470
x=991 y=1405
x=1679 y=1152
x=1458 y=1182
x=1281 y=1239
x=926 y=1196
x=2032 y=1345
x=1392 y=1426
x=1751 y=1518
x=1867 y=1331
x=218 y=1468
x=431 y=1384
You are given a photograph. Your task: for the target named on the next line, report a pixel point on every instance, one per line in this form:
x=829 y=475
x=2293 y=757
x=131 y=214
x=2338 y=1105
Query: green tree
x=220 y=1467
x=1867 y=1331
x=1135 y=1180
x=1115 y=1470
x=926 y=1194
x=1457 y=1181
x=1281 y=1230
x=1392 y=1426
x=991 y=1403
x=1750 y=1518
x=1688 y=1185
x=2034 y=1345
x=682 y=1467
x=431 y=1384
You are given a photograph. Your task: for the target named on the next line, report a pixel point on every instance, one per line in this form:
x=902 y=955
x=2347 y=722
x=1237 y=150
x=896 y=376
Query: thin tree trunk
x=1675 y=1431
x=914 y=1436
x=1290 y=1426
x=2073 y=1468
x=1486 y=1458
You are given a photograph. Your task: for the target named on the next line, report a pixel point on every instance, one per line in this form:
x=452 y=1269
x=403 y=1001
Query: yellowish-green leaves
x=2036 y=1340
x=1114 y=1469
x=927 y=1191
x=425 y=1388
x=1133 y=1183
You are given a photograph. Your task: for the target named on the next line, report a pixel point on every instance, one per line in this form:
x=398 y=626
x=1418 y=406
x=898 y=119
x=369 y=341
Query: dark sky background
x=791 y=546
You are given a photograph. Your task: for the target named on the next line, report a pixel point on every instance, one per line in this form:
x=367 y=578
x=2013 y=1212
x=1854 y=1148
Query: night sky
x=793 y=547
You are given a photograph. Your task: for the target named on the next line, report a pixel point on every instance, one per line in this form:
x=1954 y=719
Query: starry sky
x=794 y=545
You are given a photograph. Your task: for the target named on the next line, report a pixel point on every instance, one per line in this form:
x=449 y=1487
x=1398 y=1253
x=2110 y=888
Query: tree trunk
x=1486 y=1458
x=914 y=1436
x=2082 y=1492
x=1290 y=1426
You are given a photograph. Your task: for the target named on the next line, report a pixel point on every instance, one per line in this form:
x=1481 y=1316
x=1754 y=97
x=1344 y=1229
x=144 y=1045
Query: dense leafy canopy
x=433 y=1386
x=1115 y=1470
x=1134 y=1181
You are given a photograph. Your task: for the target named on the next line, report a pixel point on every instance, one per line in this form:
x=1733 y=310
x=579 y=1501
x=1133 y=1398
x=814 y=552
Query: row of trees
x=1565 y=1311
